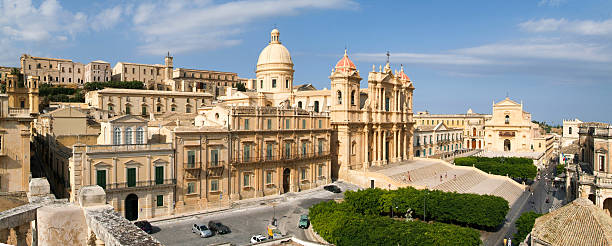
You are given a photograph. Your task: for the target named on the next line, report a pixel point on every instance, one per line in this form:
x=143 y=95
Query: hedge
x=339 y=225
x=524 y=224
x=92 y=86
x=520 y=168
x=478 y=211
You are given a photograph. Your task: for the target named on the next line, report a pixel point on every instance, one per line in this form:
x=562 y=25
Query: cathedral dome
x=345 y=64
x=275 y=52
x=403 y=75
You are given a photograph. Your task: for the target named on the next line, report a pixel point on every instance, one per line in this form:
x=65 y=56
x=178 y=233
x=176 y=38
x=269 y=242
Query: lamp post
x=424 y=202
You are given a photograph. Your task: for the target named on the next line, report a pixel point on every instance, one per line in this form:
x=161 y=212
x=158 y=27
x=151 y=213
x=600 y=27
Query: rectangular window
x=269 y=151
x=287 y=149
x=101 y=178
x=320 y=124
x=160 y=200
x=190 y=187
x=144 y=110
x=214 y=157
x=269 y=124
x=273 y=83
x=303 y=173
x=128 y=110
x=191 y=159
x=287 y=124
x=320 y=170
x=387 y=103
x=303 y=124
x=287 y=83
x=214 y=185
x=304 y=148
x=320 y=149
x=245 y=181
x=268 y=177
x=602 y=163
x=131 y=177
x=247 y=152
x=246 y=124
x=261 y=84
x=159 y=175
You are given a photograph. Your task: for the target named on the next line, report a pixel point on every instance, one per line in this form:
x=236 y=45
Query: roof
x=403 y=75
x=577 y=223
x=507 y=102
x=345 y=64
x=127 y=118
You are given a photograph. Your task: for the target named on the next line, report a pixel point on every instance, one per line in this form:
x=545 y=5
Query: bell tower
x=345 y=82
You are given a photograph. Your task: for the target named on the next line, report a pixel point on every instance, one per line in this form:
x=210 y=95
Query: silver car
x=202 y=230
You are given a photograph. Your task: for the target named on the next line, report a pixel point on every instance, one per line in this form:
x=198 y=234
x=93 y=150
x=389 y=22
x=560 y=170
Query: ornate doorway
x=473 y=143
x=131 y=207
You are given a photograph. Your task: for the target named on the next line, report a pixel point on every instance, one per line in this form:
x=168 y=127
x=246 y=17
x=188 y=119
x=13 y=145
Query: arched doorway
x=507 y=145
x=473 y=143
x=474 y=131
x=286 y=179
x=607 y=206
x=131 y=207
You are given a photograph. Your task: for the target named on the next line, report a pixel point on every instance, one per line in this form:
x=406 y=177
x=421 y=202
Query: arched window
x=339 y=97
x=117 y=136
x=353 y=98
x=507 y=119
x=299 y=104
x=128 y=136
x=570 y=130
x=140 y=135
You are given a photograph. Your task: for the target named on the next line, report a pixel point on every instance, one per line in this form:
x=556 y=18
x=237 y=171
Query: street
x=246 y=222
x=541 y=191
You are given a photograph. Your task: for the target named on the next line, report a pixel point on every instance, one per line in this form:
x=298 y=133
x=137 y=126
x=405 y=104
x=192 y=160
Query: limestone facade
x=53 y=70
x=471 y=123
x=570 y=132
x=509 y=129
x=138 y=177
x=98 y=71
x=18 y=108
x=146 y=102
x=591 y=175
x=434 y=141
x=167 y=78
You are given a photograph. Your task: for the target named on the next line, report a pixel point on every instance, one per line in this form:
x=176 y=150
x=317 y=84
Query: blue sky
x=554 y=55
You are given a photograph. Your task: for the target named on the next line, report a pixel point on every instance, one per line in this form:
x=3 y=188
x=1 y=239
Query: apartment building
x=435 y=141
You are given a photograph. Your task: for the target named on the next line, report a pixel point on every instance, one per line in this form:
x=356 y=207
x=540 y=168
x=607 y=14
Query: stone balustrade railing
x=57 y=222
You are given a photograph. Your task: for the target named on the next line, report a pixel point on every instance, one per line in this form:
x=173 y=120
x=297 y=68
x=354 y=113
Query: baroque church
x=372 y=126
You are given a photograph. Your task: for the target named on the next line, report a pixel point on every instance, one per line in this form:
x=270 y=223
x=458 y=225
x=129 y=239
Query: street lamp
x=424 y=202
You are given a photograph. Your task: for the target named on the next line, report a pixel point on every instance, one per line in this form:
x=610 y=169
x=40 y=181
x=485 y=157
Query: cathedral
x=371 y=126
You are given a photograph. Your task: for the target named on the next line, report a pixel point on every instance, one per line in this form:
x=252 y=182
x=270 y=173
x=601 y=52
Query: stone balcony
x=121 y=148
x=599 y=179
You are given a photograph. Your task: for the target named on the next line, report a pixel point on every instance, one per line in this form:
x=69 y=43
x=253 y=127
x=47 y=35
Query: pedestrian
x=409 y=179
x=440 y=178
x=455 y=176
x=446 y=175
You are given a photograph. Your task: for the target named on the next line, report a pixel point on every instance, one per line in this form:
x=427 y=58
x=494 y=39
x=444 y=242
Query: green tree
x=524 y=224
x=240 y=86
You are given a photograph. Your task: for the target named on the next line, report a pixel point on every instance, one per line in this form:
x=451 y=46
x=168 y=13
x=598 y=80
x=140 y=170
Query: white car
x=257 y=238
x=202 y=230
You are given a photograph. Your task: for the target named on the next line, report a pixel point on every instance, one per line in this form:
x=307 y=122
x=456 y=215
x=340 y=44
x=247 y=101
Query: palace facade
x=435 y=141
x=471 y=123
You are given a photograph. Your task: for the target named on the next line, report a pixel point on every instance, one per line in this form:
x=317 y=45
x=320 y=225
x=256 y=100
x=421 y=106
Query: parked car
x=144 y=225
x=332 y=188
x=257 y=238
x=217 y=227
x=304 y=221
x=202 y=230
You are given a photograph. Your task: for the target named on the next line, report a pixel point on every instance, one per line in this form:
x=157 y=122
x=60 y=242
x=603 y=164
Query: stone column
x=22 y=232
x=366 y=145
x=384 y=147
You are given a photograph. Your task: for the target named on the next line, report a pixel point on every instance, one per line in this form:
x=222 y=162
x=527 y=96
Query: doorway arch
x=507 y=145
x=286 y=179
x=607 y=206
x=473 y=143
x=131 y=207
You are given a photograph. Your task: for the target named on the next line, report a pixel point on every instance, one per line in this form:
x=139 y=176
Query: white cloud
x=552 y=3
x=108 y=18
x=579 y=27
x=184 y=23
